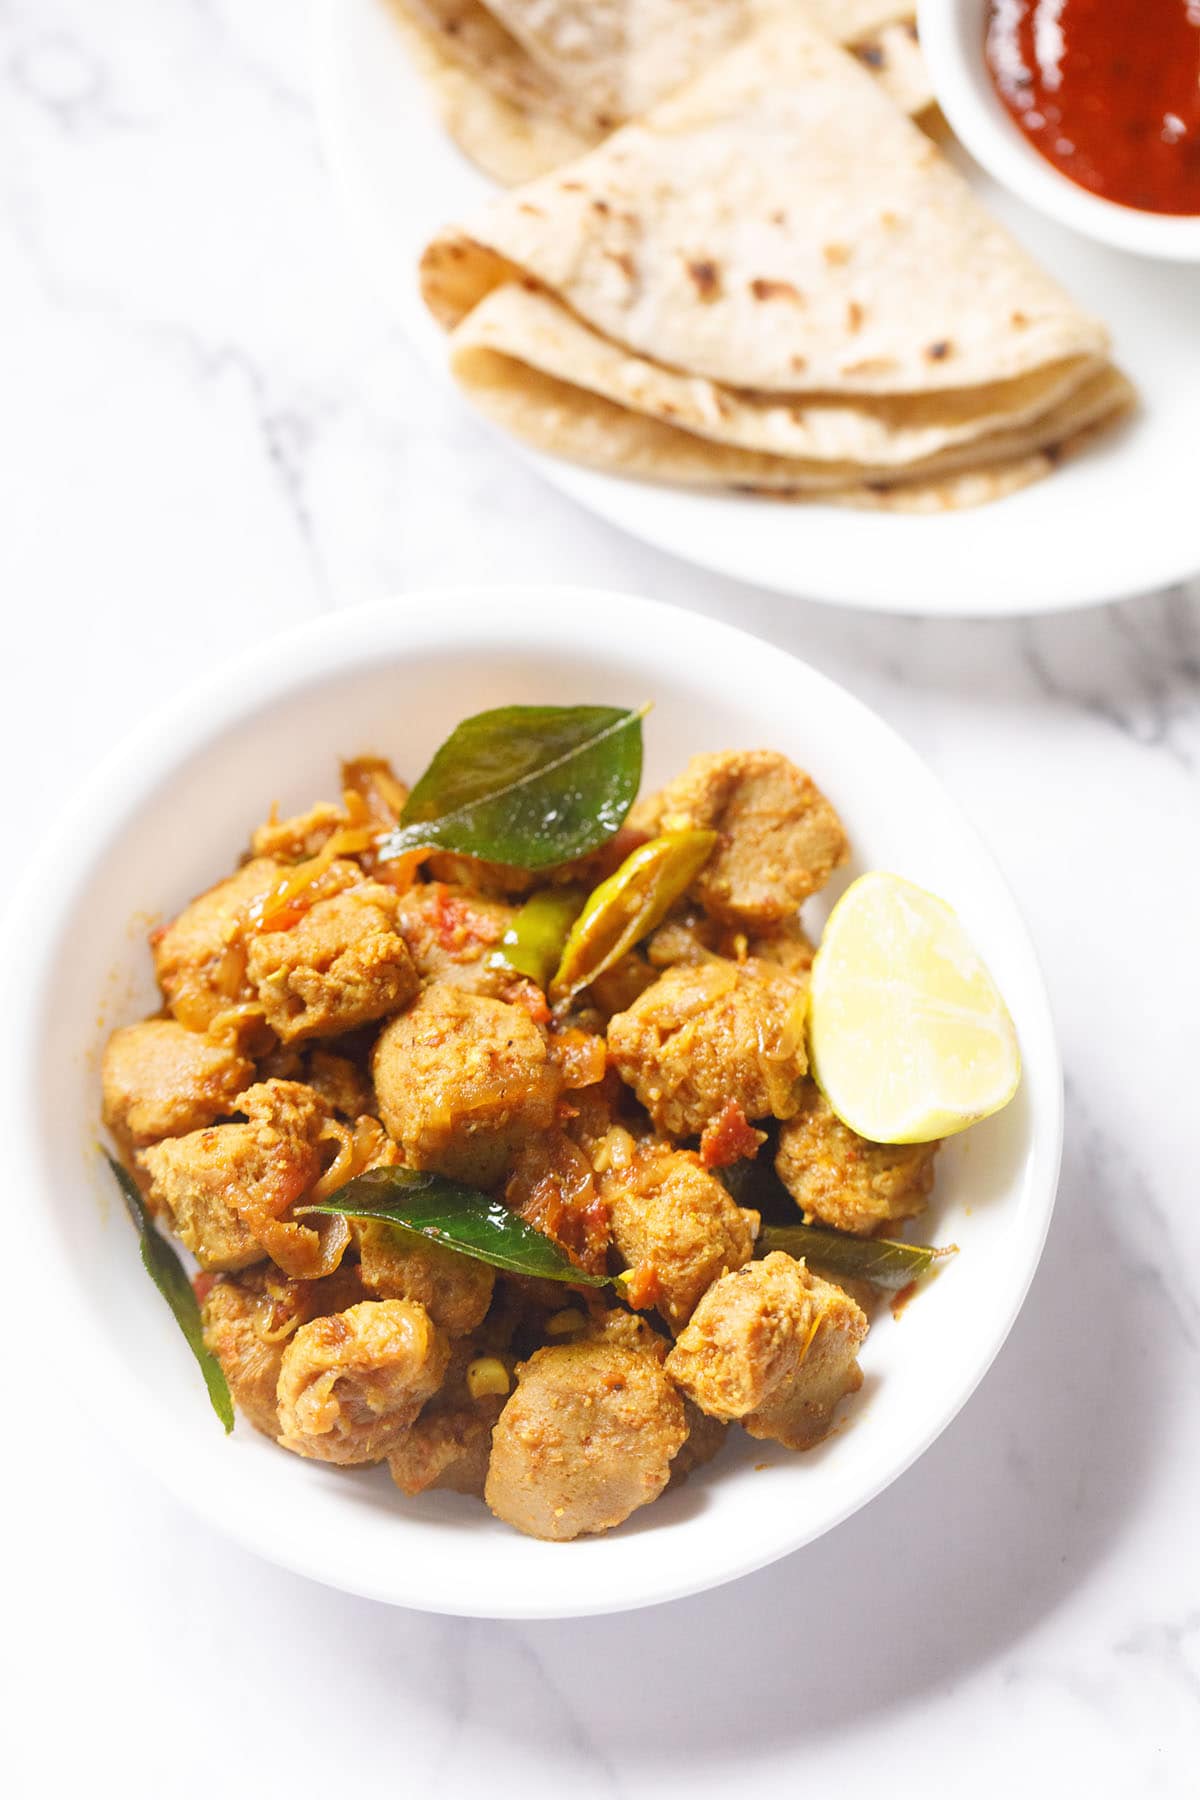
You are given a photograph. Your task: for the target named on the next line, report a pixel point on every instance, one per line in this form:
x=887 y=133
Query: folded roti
x=775 y=280
x=565 y=420
x=525 y=85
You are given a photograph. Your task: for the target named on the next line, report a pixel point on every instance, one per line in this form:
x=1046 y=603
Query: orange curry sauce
x=1108 y=91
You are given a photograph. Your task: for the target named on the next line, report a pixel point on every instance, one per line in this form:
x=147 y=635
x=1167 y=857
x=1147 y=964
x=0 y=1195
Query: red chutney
x=1108 y=91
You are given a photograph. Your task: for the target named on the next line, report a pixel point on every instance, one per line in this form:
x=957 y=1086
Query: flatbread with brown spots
x=772 y=279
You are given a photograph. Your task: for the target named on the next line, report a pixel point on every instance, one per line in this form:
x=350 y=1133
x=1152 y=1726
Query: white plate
x=169 y=814
x=1121 y=520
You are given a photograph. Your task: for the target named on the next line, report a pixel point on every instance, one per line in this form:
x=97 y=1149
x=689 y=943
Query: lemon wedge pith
x=909 y=1038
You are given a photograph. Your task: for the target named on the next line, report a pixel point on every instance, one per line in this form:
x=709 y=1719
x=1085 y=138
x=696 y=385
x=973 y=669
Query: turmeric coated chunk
x=248 y=1320
x=587 y=1437
x=675 y=1227
x=448 y=1446
x=402 y=1265
x=226 y=1189
x=844 y=1180
x=710 y=1033
x=705 y=1436
x=200 y=957
x=452 y=933
x=553 y=1188
x=341 y=965
x=351 y=1383
x=780 y=839
x=160 y=1080
x=773 y=1346
x=461 y=1081
x=296 y=839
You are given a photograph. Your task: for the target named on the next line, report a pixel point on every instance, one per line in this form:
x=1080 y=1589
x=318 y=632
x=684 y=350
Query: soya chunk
x=773 y=1346
x=780 y=838
x=160 y=1080
x=705 y=1436
x=225 y=1190
x=248 y=1320
x=675 y=1228
x=844 y=1180
x=712 y=1033
x=451 y=933
x=461 y=1080
x=199 y=958
x=553 y=1187
x=351 y=1384
x=587 y=1437
x=449 y=1444
x=401 y=1265
x=296 y=839
x=341 y=965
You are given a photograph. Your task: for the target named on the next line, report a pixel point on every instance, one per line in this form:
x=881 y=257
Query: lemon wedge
x=909 y=1038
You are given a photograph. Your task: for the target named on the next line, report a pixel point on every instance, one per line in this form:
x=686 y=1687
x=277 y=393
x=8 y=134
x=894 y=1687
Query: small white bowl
x=169 y=814
x=952 y=41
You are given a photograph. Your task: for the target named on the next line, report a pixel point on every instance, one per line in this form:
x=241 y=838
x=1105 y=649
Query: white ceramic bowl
x=170 y=813
x=952 y=40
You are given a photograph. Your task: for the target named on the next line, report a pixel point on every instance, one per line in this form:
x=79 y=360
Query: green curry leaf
x=167 y=1273
x=531 y=786
x=880 y=1260
x=457 y=1216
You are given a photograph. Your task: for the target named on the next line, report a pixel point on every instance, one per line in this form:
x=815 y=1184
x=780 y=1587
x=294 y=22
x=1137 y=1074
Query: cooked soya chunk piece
x=844 y=1180
x=675 y=1228
x=553 y=1188
x=705 y=1435
x=780 y=838
x=342 y=1086
x=773 y=1346
x=686 y=936
x=351 y=1384
x=786 y=946
x=617 y=989
x=710 y=1033
x=341 y=965
x=160 y=1080
x=248 y=1320
x=448 y=1446
x=451 y=933
x=402 y=1265
x=199 y=957
x=587 y=1437
x=224 y=1189
x=461 y=1080
x=296 y=839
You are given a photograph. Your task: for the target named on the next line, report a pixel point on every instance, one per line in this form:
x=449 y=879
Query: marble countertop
x=210 y=430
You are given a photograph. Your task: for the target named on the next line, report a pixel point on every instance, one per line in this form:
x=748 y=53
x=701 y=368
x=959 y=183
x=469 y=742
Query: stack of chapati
x=525 y=85
x=772 y=281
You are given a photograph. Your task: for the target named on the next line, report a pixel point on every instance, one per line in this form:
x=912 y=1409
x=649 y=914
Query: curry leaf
x=457 y=1216
x=626 y=908
x=530 y=786
x=167 y=1273
x=881 y=1260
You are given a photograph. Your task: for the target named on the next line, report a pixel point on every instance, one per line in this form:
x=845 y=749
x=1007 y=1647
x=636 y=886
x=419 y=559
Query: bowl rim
x=332 y=645
x=951 y=34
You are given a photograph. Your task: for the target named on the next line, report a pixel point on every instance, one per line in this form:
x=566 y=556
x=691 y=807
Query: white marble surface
x=208 y=430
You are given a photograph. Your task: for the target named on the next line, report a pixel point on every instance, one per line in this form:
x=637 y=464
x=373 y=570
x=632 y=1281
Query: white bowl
x=169 y=813
x=952 y=41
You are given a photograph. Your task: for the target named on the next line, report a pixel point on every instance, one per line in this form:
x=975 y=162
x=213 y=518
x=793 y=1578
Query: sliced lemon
x=909 y=1038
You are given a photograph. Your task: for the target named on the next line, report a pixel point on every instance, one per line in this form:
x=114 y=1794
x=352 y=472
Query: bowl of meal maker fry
x=445 y=988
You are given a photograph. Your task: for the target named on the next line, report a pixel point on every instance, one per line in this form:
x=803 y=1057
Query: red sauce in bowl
x=1108 y=91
